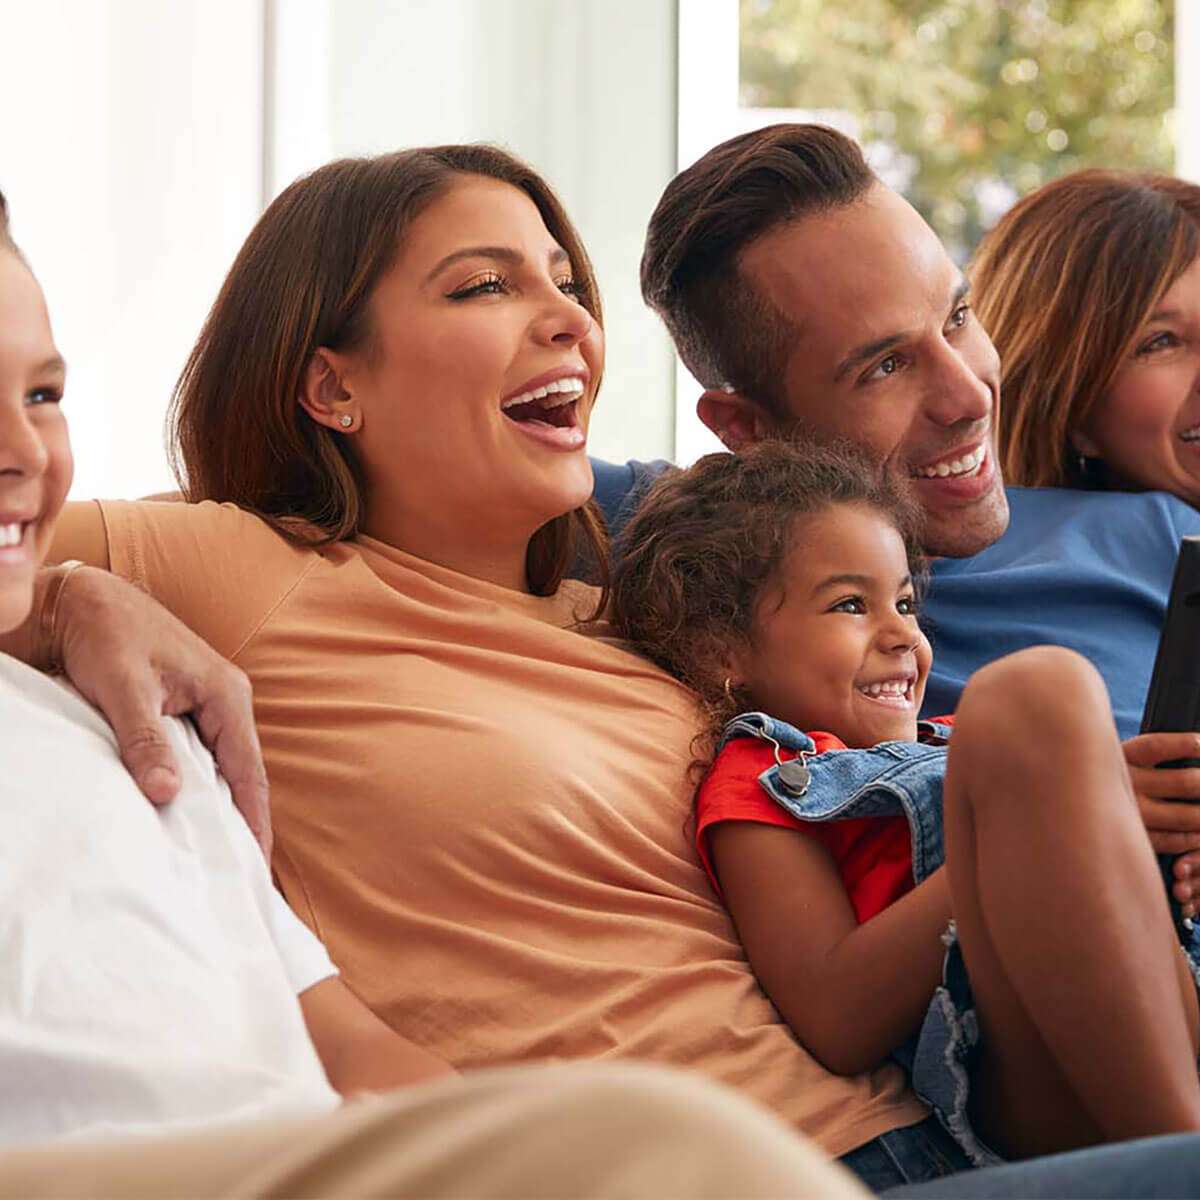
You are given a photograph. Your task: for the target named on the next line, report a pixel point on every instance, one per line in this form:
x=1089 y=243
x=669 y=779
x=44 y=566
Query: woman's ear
x=1083 y=445
x=734 y=418
x=323 y=394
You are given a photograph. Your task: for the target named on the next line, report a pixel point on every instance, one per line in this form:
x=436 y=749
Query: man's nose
x=960 y=390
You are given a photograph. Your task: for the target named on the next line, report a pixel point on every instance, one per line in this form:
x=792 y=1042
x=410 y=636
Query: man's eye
x=958 y=318
x=888 y=366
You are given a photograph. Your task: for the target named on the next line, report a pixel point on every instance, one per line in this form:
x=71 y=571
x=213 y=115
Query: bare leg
x=1087 y=1011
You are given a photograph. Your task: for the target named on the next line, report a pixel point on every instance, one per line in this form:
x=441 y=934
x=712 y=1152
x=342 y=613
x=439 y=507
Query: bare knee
x=1041 y=694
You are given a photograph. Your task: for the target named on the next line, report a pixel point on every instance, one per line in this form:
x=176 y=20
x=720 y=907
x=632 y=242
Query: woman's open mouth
x=548 y=413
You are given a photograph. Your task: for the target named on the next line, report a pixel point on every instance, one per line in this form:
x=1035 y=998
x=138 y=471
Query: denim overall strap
x=768 y=729
x=889 y=779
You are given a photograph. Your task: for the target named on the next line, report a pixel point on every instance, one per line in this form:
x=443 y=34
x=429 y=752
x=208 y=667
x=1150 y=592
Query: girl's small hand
x=1173 y=828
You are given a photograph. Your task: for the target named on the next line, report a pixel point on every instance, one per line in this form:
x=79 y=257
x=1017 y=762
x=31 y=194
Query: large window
x=966 y=104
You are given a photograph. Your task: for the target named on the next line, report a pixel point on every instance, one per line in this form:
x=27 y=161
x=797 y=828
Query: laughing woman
x=481 y=808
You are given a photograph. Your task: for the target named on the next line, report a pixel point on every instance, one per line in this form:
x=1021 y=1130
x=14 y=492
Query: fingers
x=133 y=710
x=1150 y=749
x=224 y=714
x=1176 y=783
x=1186 y=887
x=1166 y=815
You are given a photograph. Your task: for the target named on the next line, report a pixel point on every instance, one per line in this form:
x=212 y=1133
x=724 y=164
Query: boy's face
x=35 y=454
x=836 y=644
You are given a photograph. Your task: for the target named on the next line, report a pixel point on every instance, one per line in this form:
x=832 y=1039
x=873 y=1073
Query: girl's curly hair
x=708 y=542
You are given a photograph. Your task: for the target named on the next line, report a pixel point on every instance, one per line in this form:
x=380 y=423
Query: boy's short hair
x=725 y=332
x=709 y=542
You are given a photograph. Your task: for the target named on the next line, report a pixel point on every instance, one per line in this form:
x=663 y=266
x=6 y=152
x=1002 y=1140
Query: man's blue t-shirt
x=1086 y=570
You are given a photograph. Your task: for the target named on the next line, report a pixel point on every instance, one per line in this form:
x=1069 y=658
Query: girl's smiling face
x=35 y=455
x=1147 y=426
x=836 y=645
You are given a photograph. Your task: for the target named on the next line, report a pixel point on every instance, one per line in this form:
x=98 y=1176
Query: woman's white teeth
x=11 y=535
x=563 y=391
x=967 y=465
x=886 y=687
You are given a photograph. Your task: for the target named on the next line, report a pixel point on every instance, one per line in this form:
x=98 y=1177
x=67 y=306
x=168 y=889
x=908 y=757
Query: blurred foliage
x=965 y=104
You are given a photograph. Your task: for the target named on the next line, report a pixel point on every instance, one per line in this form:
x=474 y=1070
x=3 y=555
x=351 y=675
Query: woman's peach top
x=484 y=813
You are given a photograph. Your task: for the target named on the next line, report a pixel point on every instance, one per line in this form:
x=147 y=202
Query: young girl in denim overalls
x=990 y=912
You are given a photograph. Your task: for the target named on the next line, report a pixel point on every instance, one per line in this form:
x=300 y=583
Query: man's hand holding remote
x=1174 y=828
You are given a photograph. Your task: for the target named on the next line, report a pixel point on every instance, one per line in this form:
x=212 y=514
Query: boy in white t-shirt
x=150 y=970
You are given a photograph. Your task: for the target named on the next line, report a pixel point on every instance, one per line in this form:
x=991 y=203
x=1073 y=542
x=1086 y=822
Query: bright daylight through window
x=965 y=105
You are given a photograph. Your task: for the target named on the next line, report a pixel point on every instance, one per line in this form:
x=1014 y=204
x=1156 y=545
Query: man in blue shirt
x=807 y=297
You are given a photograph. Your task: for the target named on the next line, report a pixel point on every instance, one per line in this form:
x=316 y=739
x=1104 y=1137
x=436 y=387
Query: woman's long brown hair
x=1063 y=284
x=302 y=280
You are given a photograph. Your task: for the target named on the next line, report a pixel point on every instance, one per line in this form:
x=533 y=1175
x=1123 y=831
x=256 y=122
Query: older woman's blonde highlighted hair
x=302 y=280
x=1063 y=284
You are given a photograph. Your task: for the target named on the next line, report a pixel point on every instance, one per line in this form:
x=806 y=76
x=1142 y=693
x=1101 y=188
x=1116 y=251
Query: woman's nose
x=564 y=323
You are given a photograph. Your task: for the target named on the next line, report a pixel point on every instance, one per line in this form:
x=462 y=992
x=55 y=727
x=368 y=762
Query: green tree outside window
x=966 y=104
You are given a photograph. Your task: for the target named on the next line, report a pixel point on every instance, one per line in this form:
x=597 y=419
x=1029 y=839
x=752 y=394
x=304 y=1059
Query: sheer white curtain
x=131 y=155
x=141 y=138
x=584 y=90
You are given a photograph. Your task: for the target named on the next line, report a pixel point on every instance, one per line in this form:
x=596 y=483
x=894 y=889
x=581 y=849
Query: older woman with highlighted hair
x=1090 y=289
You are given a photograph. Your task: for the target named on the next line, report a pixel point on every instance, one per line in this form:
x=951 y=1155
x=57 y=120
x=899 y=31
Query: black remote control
x=1173 y=703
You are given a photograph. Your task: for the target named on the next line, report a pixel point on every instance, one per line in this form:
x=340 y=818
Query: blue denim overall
x=888 y=780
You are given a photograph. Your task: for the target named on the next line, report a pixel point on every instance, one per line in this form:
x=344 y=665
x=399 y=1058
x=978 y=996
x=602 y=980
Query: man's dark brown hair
x=726 y=333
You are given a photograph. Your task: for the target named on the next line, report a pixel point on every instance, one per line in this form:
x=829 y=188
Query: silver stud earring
x=345 y=420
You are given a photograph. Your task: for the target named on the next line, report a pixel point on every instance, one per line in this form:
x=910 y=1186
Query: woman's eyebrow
x=505 y=254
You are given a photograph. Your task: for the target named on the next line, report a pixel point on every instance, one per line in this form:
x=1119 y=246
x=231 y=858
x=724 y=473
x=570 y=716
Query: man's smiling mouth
x=962 y=465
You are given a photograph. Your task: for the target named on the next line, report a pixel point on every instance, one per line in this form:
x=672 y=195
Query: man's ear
x=736 y=420
x=323 y=395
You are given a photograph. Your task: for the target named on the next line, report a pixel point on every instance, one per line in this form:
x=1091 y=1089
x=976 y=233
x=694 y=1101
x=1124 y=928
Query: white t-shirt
x=148 y=968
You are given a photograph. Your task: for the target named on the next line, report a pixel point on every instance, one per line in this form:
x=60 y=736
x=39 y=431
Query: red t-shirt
x=873 y=855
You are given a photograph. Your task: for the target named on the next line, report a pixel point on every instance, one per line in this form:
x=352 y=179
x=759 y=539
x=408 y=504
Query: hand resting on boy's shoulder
x=136 y=662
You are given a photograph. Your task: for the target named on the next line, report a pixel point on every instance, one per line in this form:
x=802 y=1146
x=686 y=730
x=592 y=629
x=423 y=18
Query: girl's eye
x=851 y=604
x=906 y=606
x=1160 y=341
x=886 y=367
x=41 y=396
x=958 y=318
x=487 y=285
